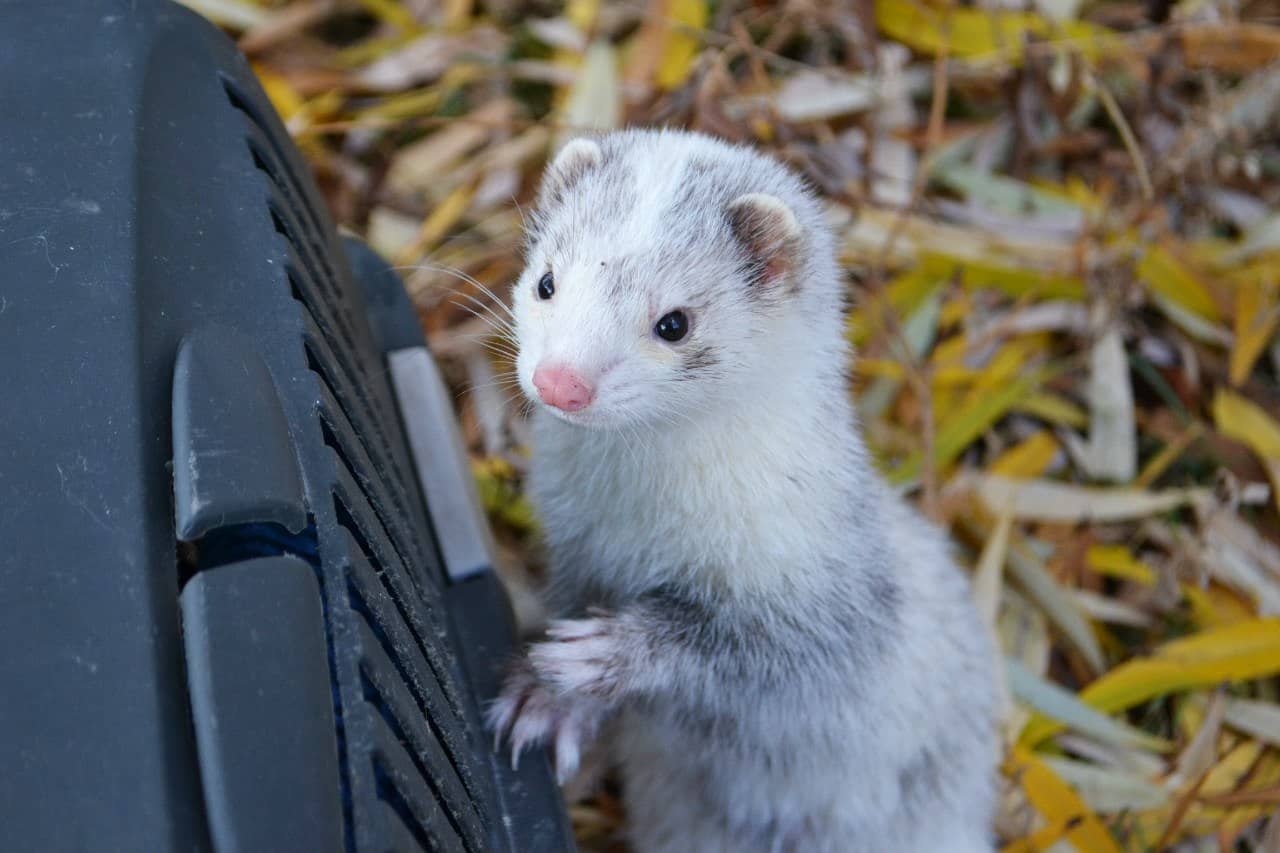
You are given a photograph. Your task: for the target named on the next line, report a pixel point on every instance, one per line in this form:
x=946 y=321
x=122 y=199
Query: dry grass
x=1058 y=223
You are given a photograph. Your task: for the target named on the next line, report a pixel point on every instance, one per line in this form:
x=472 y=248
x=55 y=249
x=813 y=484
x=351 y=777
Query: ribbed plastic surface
x=195 y=215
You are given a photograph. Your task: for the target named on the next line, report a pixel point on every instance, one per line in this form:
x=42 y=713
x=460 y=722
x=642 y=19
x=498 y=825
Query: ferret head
x=670 y=273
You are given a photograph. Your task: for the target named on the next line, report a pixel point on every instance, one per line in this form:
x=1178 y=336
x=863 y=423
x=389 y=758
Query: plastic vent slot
x=420 y=753
x=309 y=264
x=335 y=411
x=386 y=503
x=410 y=603
x=283 y=176
x=405 y=674
x=446 y=790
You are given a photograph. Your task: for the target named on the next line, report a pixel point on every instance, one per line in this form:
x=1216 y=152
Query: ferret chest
x=635 y=521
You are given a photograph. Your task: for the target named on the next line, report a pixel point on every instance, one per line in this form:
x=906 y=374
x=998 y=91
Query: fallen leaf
x=1249 y=424
x=1059 y=804
x=595 y=101
x=1059 y=704
x=1113 y=444
x=812 y=96
x=1238 y=652
x=1256 y=320
x=682 y=16
x=979 y=33
x=1029 y=458
x=1060 y=503
x=1108 y=791
x=1172 y=277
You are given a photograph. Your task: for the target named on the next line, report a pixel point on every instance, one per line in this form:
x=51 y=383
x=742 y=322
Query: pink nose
x=559 y=386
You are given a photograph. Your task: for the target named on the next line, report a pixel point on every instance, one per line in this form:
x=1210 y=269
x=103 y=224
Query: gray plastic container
x=244 y=588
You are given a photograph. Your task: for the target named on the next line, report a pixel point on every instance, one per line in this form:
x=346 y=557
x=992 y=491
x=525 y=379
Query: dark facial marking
x=697 y=359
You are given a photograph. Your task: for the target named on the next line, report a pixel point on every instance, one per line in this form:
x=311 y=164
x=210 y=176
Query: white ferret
x=788 y=653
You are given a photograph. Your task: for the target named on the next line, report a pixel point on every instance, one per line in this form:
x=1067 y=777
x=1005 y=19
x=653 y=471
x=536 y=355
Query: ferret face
x=649 y=278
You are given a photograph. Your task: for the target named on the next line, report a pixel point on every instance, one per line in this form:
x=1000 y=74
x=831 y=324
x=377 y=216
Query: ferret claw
x=530 y=712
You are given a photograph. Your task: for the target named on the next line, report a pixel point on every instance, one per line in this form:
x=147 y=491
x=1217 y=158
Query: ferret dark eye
x=672 y=327
x=546 y=286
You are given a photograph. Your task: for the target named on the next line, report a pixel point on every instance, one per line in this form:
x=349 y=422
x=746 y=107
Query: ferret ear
x=765 y=226
x=574 y=160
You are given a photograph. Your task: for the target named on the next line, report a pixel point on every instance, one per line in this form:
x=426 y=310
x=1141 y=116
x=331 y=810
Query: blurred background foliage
x=1059 y=221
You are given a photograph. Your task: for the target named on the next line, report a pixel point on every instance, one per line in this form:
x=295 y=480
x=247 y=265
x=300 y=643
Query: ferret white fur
x=789 y=653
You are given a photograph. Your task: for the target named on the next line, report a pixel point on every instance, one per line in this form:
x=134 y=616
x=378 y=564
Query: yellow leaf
x=976 y=33
x=403 y=105
x=895 y=302
x=1215 y=607
x=392 y=13
x=372 y=49
x=880 y=368
x=1257 y=316
x=1054 y=409
x=456 y=12
x=957 y=309
x=1234 y=653
x=1059 y=803
x=1118 y=561
x=496 y=486
x=1075 y=191
x=970 y=421
x=279 y=91
x=1159 y=463
x=582 y=14
x=1244 y=764
x=682 y=46
x=1171 y=277
x=1007 y=278
x=1262 y=772
x=437 y=224
x=1247 y=423
x=1029 y=458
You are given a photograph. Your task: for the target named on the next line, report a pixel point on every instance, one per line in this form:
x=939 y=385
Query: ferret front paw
x=582 y=656
x=529 y=712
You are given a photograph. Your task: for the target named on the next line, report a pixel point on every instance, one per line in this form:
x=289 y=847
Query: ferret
x=787 y=652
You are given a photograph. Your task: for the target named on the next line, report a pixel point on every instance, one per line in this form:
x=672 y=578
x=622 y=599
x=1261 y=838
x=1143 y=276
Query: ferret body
x=787 y=650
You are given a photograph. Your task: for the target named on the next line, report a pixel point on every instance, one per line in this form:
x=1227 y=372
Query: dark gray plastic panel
x=393 y=322
x=148 y=193
x=95 y=740
x=262 y=706
x=481 y=615
x=233 y=461
x=441 y=463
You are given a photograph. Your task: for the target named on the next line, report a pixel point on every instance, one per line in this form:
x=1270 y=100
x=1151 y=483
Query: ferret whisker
x=512 y=398
x=501 y=330
x=481 y=310
x=498 y=332
x=502 y=384
x=497 y=300
x=501 y=349
x=461 y=276
x=490 y=308
x=524 y=223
